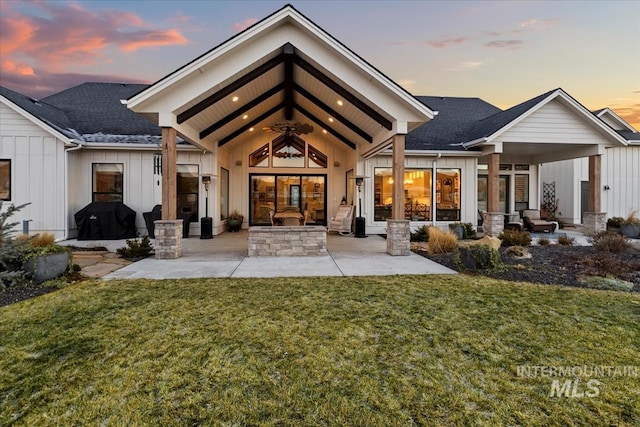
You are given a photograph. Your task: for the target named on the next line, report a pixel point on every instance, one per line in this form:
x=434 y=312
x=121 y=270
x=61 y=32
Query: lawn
x=374 y=351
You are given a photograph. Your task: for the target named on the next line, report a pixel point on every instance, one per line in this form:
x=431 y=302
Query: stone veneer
x=306 y=240
x=168 y=239
x=493 y=223
x=398 y=237
x=594 y=222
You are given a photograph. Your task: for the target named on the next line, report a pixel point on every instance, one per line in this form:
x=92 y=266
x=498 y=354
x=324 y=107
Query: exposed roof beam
x=253 y=122
x=209 y=130
x=379 y=118
x=323 y=125
x=289 y=53
x=333 y=113
x=229 y=89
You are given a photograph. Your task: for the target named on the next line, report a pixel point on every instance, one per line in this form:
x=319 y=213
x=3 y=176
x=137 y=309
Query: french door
x=305 y=193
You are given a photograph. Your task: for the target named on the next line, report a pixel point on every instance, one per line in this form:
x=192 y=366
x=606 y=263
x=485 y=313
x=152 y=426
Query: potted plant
x=458 y=229
x=631 y=226
x=45 y=260
x=234 y=222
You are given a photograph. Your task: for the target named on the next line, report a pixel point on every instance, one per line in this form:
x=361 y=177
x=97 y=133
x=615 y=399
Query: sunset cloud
x=505 y=44
x=62 y=36
x=446 y=42
x=241 y=26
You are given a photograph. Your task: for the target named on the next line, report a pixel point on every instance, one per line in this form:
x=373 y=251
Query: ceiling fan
x=290 y=128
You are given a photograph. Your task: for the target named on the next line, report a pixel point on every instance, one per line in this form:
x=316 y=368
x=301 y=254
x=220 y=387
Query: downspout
x=433 y=190
x=66 y=186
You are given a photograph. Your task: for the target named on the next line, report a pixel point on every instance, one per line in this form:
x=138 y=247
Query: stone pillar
x=493 y=223
x=594 y=222
x=168 y=239
x=398 y=237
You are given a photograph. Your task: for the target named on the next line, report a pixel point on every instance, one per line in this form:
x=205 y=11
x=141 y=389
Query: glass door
x=313 y=199
x=503 y=193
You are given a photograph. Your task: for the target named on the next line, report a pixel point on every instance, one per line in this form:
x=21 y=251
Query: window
x=224 y=193
x=448 y=195
x=417 y=185
x=107 y=182
x=288 y=151
x=5 y=179
x=187 y=185
x=260 y=157
x=522 y=192
x=316 y=158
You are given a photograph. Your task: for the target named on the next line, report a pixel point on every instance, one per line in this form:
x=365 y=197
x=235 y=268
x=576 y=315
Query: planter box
x=45 y=267
x=630 y=230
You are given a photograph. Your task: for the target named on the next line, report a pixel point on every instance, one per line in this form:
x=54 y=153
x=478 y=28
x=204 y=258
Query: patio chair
x=271 y=213
x=291 y=221
x=533 y=222
x=341 y=223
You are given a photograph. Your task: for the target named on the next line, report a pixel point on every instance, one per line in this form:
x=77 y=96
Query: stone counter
x=306 y=240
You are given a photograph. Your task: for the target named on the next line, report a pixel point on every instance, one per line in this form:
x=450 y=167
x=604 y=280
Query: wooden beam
x=327 y=128
x=169 y=173
x=493 y=193
x=334 y=113
x=249 y=125
x=209 y=130
x=397 y=191
x=330 y=83
x=289 y=53
x=594 y=183
x=229 y=89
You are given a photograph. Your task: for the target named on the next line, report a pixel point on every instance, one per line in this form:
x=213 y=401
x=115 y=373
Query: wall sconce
x=606 y=187
x=238 y=162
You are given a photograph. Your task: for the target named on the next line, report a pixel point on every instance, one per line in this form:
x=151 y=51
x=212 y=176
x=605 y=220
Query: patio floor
x=226 y=256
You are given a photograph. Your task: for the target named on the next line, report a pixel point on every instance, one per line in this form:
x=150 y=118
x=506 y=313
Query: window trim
x=93 y=179
x=8 y=199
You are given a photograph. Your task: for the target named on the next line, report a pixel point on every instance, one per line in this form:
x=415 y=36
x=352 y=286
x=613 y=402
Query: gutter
x=66 y=186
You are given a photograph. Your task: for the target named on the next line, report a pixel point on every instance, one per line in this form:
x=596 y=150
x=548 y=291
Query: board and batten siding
x=620 y=171
x=138 y=180
x=552 y=123
x=37 y=172
x=468 y=186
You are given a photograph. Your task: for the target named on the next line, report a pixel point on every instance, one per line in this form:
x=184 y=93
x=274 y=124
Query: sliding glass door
x=304 y=193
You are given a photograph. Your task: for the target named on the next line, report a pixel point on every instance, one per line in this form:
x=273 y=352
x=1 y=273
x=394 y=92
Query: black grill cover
x=106 y=221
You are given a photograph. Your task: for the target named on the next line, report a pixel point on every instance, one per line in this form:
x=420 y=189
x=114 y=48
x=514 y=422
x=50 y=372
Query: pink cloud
x=505 y=44
x=63 y=36
x=241 y=26
x=446 y=42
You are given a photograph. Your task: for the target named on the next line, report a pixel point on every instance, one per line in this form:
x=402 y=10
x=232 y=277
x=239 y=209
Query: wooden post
x=169 y=172
x=594 y=183
x=398 y=177
x=493 y=182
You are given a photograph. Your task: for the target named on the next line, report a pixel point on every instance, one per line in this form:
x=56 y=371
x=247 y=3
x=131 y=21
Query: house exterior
x=620 y=176
x=284 y=114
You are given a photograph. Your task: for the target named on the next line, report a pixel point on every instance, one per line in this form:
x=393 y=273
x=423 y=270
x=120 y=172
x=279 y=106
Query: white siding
x=552 y=123
x=139 y=180
x=37 y=175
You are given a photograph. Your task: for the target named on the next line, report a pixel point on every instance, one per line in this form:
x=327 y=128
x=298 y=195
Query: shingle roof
x=46 y=113
x=633 y=137
x=95 y=108
x=450 y=127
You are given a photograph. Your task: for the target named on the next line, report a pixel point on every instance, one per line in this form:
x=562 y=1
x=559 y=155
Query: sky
x=504 y=52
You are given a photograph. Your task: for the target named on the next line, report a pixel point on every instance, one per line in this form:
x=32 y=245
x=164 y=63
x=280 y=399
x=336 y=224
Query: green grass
x=374 y=351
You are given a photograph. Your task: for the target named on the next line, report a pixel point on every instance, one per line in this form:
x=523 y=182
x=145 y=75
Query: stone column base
x=594 y=222
x=493 y=223
x=168 y=239
x=398 y=237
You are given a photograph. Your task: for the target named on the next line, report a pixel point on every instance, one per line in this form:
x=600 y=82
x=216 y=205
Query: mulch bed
x=558 y=265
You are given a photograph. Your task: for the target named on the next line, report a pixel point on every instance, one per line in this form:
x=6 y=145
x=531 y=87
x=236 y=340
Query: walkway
x=226 y=256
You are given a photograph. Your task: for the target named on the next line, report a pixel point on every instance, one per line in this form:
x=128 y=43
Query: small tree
x=11 y=250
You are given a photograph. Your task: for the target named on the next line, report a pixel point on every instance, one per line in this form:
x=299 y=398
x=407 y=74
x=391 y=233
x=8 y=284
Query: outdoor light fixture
x=206 y=223
x=360 y=221
x=606 y=187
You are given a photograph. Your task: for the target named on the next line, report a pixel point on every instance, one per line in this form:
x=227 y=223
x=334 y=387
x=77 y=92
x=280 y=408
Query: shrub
x=566 y=241
x=478 y=257
x=515 y=238
x=468 y=231
x=42 y=240
x=609 y=241
x=136 y=248
x=441 y=242
x=615 y=222
x=421 y=234
x=11 y=250
x=543 y=241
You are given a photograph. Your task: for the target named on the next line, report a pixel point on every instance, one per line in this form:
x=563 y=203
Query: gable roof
x=52 y=118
